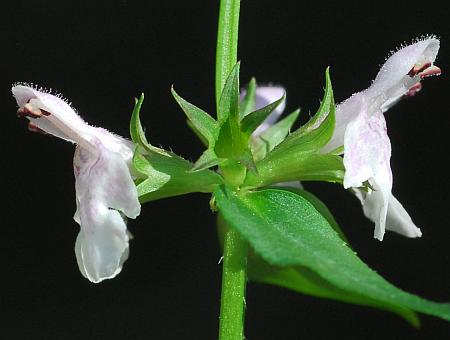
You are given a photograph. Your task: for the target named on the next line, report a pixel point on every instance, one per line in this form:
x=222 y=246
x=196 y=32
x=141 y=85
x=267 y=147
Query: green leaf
x=317 y=132
x=231 y=143
x=136 y=131
x=324 y=107
x=274 y=135
x=302 y=280
x=306 y=167
x=166 y=175
x=320 y=207
x=254 y=119
x=248 y=103
x=228 y=143
x=287 y=231
x=229 y=100
x=299 y=156
x=154 y=178
x=207 y=160
x=305 y=281
x=197 y=133
x=203 y=123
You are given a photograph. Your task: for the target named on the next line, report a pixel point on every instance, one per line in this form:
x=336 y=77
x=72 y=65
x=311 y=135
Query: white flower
x=361 y=128
x=104 y=187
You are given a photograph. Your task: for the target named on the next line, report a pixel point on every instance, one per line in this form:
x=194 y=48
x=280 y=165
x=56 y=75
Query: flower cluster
x=105 y=188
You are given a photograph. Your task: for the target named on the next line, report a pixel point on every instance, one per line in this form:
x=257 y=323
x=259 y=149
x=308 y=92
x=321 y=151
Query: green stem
x=234 y=273
x=234 y=278
x=227 y=42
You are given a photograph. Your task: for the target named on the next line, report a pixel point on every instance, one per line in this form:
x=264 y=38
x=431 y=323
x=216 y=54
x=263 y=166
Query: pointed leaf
x=155 y=178
x=287 y=231
x=254 y=119
x=301 y=167
x=204 y=124
x=295 y=158
x=207 y=160
x=136 y=131
x=166 y=175
x=229 y=100
x=318 y=131
x=320 y=207
x=303 y=280
x=248 y=103
x=197 y=133
x=230 y=142
x=324 y=107
x=274 y=135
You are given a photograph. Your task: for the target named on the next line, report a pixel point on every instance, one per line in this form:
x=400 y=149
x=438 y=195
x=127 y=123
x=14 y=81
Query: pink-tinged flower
x=361 y=128
x=104 y=187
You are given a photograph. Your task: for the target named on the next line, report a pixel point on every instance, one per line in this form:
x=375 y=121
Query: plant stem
x=227 y=42
x=234 y=272
x=234 y=278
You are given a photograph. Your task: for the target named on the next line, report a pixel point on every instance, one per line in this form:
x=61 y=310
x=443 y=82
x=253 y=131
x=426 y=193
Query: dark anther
x=29 y=111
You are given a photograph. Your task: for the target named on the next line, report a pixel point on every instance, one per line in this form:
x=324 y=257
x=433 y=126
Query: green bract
x=299 y=156
x=162 y=173
x=274 y=155
x=229 y=137
x=274 y=135
x=249 y=101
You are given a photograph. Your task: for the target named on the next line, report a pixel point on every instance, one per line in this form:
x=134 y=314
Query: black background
x=100 y=56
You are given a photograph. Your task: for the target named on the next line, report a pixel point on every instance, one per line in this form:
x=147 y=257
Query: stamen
x=29 y=111
x=430 y=71
x=414 y=89
x=418 y=68
x=423 y=71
